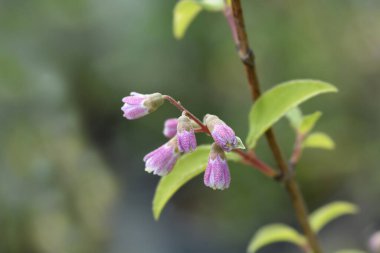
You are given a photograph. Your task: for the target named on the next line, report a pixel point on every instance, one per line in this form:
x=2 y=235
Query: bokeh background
x=72 y=178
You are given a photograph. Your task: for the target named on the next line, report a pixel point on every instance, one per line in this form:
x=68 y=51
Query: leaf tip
x=156 y=211
x=156 y=216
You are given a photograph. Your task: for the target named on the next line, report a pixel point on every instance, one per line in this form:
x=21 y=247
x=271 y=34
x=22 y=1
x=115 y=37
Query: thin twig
x=255 y=162
x=231 y=22
x=188 y=113
x=297 y=150
x=247 y=57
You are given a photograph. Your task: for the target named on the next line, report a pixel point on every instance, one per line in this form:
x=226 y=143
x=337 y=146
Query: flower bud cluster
x=181 y=134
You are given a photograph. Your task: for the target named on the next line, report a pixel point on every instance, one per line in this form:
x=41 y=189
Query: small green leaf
x=187 y=167
x=274 y=104
x=319 y=140
x=275 y=233
x=350 y=251
x=322 y=216
x=212 y=5
x=184 y=13
x=295 y=117
x=240 y=144
x=308 y=122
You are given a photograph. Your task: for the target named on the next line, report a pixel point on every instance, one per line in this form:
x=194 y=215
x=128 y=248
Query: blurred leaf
x=319 y=140
x=184 y=13
x=213 y=5
x=274 y=104
x=350 y=251
x=233 y=157
x=275 y=233
x=309 y=121
x=295 y=117
x=322 y=216
x=187 y=167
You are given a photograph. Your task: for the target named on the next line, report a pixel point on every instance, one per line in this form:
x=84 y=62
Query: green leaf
x=319 y=140
x=295 y=117
x=350 y=251
x=308 y=122
x=322 y=216
x=213 y=5
x=274 y=104
x=187 y=167
x=184 y=13
x=275 y=233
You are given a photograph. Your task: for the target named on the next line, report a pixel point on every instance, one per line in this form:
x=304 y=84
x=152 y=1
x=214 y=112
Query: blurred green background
x=72 y=178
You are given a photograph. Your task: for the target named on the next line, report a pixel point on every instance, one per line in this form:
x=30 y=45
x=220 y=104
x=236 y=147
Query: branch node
x=247 y=57
x=282 y=177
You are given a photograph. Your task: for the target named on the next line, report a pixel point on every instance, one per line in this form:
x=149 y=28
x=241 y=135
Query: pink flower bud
x=138 y=105
x=217 y=174
x=170 y=127
x=222 y=134
x=162 y=160
x=374 y=242
x=186 y=136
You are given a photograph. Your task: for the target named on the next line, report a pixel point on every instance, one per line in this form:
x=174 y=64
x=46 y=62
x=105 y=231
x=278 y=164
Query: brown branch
x=245 y=53
x=247 y=57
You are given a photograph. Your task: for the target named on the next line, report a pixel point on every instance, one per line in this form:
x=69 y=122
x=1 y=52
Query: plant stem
x=291 y=185
x=231 y=21
x=248 y=158
x=297 y=150
x=252 y=160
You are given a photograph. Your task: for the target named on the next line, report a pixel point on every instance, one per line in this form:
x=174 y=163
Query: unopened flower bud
x=170 y=127
x=138 y=105
x=217 y=174
x=186 y=136
x=222 y=134
x=162 y=160
x=374 y=242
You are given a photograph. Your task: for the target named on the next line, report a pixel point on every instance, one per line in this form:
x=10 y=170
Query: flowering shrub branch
x=266 y=111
